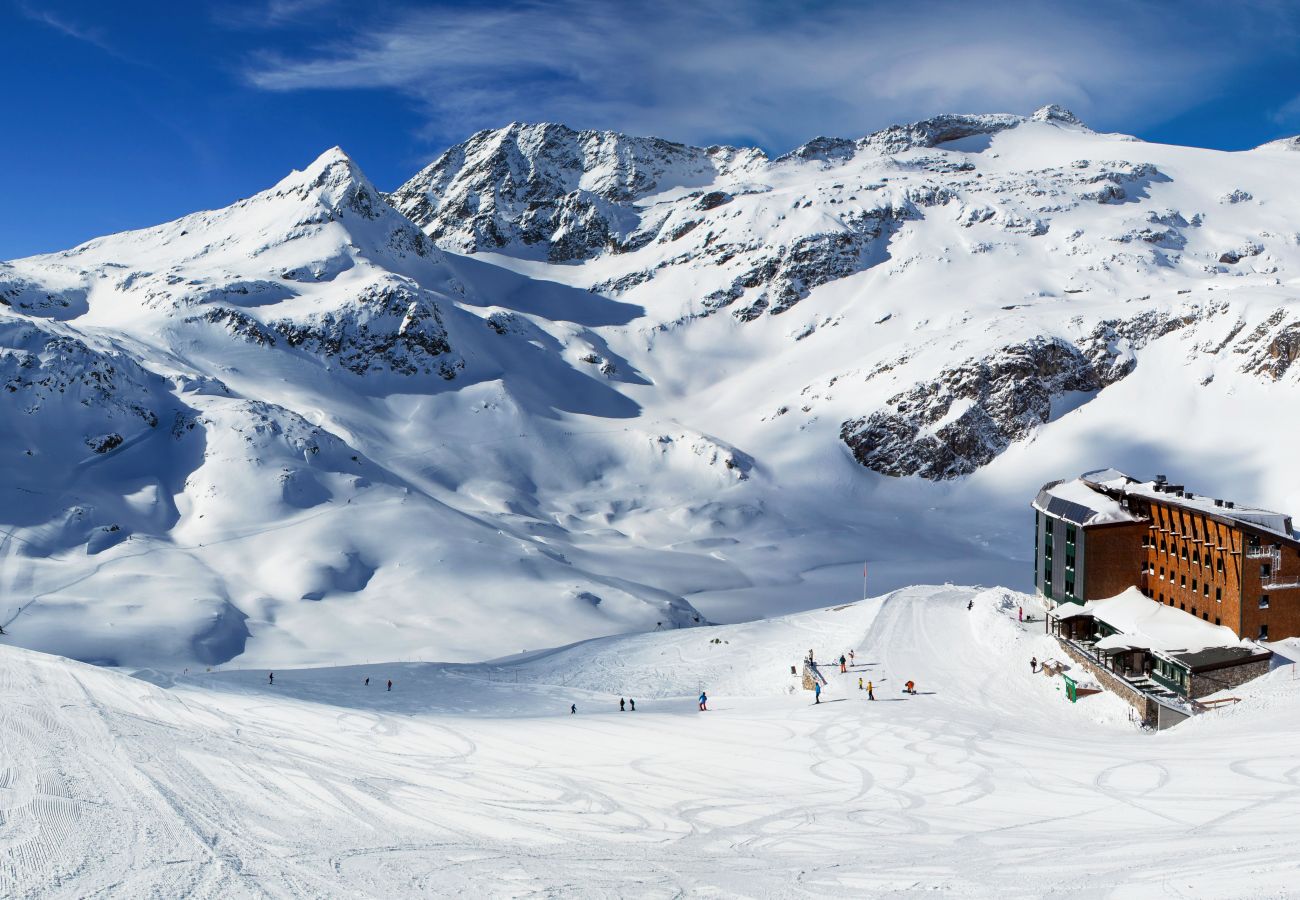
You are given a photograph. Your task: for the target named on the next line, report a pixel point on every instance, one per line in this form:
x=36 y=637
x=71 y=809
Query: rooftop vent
x=1218 y=502
x=1160 y=479
x=1228 y=503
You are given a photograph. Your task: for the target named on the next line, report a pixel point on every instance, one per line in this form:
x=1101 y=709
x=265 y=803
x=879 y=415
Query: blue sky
x=126 y=114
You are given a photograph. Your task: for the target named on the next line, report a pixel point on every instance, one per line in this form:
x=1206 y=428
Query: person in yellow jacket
x=871 y=693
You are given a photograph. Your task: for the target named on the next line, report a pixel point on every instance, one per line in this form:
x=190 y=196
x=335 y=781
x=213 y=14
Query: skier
x=632 y=703
x=1033 y=664
x=270 y=678
x=367 y=681
x=970 y=604
x=817 y=692
x=704 y=702
x=843 y=664
x=910 y=687
x=852 y=662
x=390 y=684
x=622 y=705
x=1022 y=612
x=859 y=682
x=573 y=709
x=871 y=691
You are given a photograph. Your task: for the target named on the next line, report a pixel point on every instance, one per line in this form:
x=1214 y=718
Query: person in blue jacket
x=704 y=701
x=817 y=691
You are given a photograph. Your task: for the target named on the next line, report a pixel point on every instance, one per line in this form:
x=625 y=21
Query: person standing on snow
x=843 y=662
x=1033 y=664
x=851 y=658
x=859 y=682
x=367 y=681
x=632 y=703
x=871 y=692
x=817 y=692
x=622 y=705
x=390 y=684
x=704 y=702
x=270 y=678
x=970 y=604
x=573 y=709
x=910 y=687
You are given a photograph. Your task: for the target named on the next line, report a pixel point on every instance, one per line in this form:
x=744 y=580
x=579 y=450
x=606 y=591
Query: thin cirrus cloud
x=779 y=74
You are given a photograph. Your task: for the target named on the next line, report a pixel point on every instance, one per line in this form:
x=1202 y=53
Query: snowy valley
x=564 y=402
x=564 y=384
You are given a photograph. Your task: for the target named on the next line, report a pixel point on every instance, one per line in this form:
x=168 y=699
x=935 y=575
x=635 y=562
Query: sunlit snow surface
x=477 y=781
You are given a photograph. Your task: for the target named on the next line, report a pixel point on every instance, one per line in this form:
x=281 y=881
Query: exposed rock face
x=392 y=326
x=568 y=192
x=968 y=414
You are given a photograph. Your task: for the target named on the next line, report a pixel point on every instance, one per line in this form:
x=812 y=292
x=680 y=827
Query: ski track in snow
x=984 y=784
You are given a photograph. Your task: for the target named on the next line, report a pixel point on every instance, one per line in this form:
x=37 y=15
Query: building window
x=1184 y=551
x=1205 y=616
x=1205 y=589
x=1220 y=561
x=1182 y=581
x=1069 y=587
x=1161 y=597
x=1265 y=570
x=1216 y=621
x=1263 y=601
x=1163 y=548
x=1162 y=573
x=1218 y=595
x=1193 y=585
x=1069 y=534
x=1183 y=607
x=1263 y=632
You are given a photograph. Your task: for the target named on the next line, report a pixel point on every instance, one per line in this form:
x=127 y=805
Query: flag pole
x=864 y=581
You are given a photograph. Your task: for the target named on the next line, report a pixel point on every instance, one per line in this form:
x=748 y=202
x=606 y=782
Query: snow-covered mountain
x=563 y=384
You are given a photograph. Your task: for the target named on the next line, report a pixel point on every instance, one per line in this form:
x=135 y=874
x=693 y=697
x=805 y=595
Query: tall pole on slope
x=864 y=581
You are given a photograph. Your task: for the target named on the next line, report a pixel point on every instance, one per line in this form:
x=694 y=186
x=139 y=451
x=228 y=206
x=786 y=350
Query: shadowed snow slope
x=570 y=384
x=477 y=780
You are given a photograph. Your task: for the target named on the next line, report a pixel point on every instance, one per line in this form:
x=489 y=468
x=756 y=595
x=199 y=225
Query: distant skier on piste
x=871 y=691
x=390 y=684
x=910 y=687
x=817 y=692
x=270 y=678
x=632 y=703
x=704 y=702
x=573 y=709
x=622 y=705
x=843 y=664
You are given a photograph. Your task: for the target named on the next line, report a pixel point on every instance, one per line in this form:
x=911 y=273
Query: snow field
x=463 y=780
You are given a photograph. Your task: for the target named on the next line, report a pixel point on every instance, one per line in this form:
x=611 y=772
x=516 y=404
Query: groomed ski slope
x=476 y=781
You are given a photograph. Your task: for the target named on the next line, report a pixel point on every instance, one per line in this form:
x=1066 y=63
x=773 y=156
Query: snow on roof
x=1115 y=480
x=1279 y=523
x=1082 y=504
x=1155 y=626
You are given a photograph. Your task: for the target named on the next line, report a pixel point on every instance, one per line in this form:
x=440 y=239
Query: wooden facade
x=1194 y=554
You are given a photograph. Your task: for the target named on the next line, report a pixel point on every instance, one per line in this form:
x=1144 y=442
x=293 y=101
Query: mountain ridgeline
x=566 y=383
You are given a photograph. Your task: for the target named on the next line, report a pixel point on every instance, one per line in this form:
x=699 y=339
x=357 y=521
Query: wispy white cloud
x=780 y=73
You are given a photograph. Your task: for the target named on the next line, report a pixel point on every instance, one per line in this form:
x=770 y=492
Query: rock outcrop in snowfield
x=567 y=383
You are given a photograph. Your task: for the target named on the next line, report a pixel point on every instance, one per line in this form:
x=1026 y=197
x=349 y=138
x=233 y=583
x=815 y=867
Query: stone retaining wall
x=1147 y=708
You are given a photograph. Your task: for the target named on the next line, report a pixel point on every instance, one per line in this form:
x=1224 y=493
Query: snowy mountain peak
x=337 y=182
x=551 y=187
x=1057 y=115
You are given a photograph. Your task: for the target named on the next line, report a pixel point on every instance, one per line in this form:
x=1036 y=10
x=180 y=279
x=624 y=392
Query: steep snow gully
x=476 y=779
